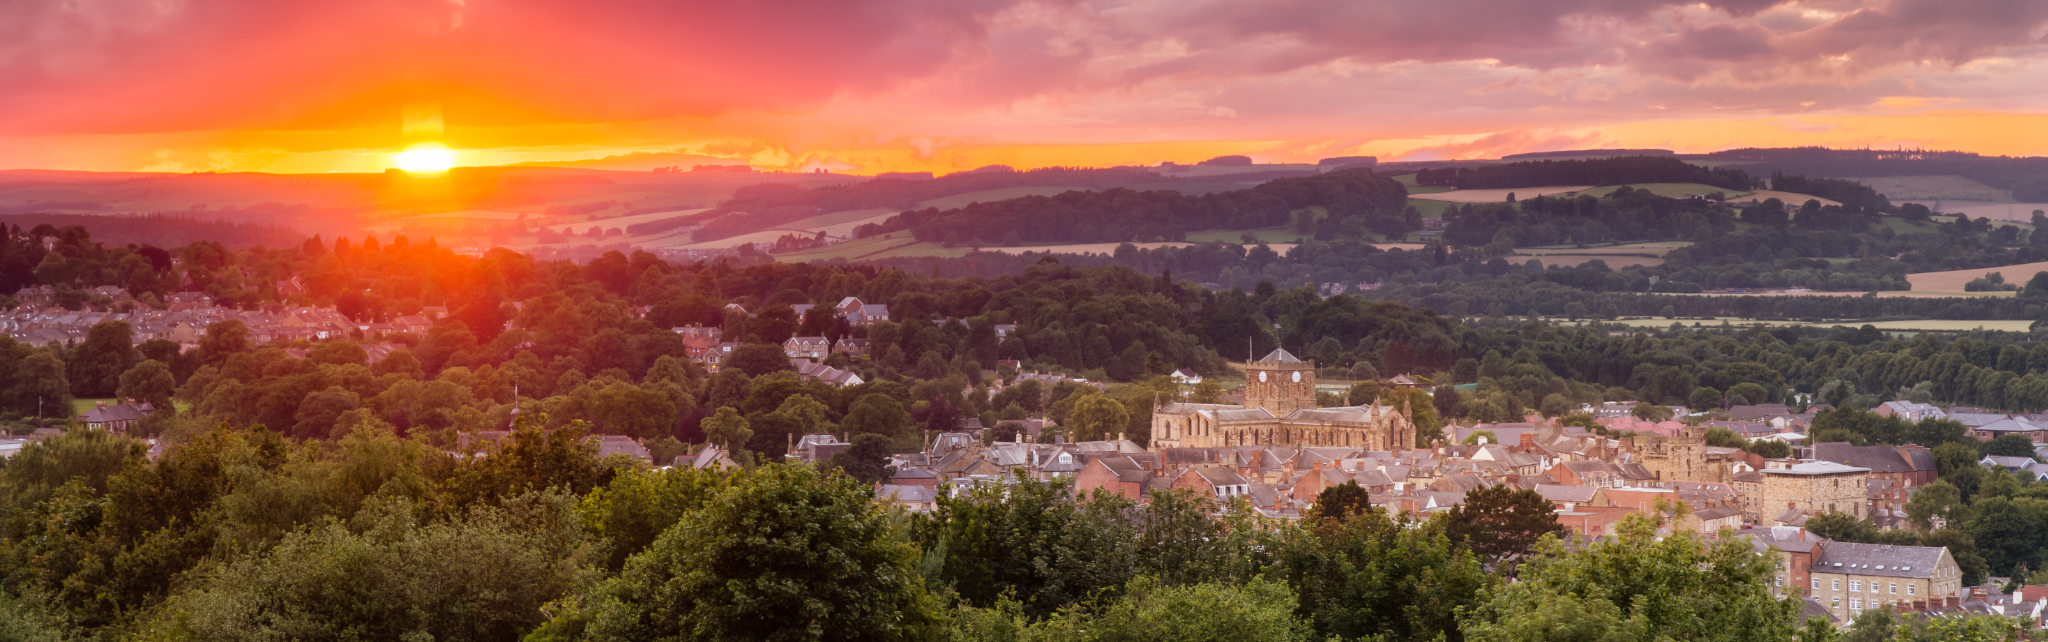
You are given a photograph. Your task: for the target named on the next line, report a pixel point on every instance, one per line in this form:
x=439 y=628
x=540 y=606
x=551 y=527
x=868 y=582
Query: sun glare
x=425 y=158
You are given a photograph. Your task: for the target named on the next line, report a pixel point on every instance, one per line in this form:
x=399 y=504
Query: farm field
x=1658 y=248
x=2008 y=211
x=853 y=249
x=1268 y=236
x=1953 y=281
x=1931 y=188
x=1495 y=195
x=1789 y=198
x=620 y=222
x=1924 y=325
x=1108 y=248
x=1408 y=181
x=1429 y=208
x=1574 y=260
x=1673 y=190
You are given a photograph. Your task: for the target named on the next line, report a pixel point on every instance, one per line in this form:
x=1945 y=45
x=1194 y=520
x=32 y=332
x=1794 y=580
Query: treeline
x=757 y=207
x=2027 y=177
x=163 y=229
x=244 y=535
x=1850 y=193
x=1765 y=245
x=1595 y=171
x=1126 y=215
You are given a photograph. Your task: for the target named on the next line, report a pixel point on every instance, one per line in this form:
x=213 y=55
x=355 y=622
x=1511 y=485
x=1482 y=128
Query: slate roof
x=906 y=493
x=1281 y=355
x=1241 y=414
x=1878 y=559
x=1786 y=538
x=1575 y=494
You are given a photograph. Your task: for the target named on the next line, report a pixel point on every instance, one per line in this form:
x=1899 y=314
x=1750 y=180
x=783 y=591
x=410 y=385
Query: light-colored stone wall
x=1837 y=492
x=1848 y=594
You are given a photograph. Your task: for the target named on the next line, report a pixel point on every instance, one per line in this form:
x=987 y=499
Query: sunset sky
x=892 y=85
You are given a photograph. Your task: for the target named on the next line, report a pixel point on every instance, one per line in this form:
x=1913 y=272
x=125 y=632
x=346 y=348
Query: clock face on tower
x=1297 y=376
x=1262 y=376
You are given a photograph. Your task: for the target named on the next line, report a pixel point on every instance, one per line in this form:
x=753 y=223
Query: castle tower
x=1280 y=383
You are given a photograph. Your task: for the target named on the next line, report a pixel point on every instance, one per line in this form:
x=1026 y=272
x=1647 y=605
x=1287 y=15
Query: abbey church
x=1280 y=410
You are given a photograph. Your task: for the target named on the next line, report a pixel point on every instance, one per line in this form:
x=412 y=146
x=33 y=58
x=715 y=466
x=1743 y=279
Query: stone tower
x=1681 y=457
x=1280 y=383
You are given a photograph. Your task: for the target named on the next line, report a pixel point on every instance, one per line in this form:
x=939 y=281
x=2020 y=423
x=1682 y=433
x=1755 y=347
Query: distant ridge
x=1591 y=153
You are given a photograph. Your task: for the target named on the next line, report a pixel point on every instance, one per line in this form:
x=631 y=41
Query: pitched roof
x=1879 y=459
x=1878 y=559
x=1558 y=493
x=1281 y=355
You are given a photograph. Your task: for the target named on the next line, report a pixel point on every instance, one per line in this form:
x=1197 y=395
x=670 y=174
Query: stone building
x=1280 y=410
x=1684 y=456
x=1849 y=579
x=1815 y=487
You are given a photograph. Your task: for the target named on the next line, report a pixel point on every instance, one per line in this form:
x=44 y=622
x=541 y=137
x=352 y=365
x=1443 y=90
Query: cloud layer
x=800 y=76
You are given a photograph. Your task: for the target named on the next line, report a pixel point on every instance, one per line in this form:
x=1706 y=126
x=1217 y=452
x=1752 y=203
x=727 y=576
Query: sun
x=425 y=158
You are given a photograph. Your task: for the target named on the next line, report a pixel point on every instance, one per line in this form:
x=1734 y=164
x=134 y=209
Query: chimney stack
x=1954 y=602
x=1528 y=441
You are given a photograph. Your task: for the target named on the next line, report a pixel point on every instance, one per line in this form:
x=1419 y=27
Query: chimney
x=1954 y=602
x=1528 y=441
x=1919 y=606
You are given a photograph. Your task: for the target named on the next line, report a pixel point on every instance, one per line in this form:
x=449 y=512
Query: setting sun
x=425 y=158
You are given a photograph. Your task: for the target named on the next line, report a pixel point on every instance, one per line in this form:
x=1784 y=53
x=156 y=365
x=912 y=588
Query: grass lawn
x=1430 y=209
x=82 y=406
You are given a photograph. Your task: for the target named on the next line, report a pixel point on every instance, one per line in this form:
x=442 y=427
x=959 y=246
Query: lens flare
x=424 y=158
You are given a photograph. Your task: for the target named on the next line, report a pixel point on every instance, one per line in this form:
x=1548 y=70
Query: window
x=1781 y=581
x=1909 y=589
x=1855 y=586
x=1834 y=585
x=1894 y=588
x=1855 y=605
x=1816 y=585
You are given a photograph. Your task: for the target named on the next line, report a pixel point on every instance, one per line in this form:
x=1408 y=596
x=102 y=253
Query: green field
x=1430 y=209
x=1673 y=190
x=1269 y=236
x=82 y=406
x=853 y=249
x=1288 y=234
x=1408 y=181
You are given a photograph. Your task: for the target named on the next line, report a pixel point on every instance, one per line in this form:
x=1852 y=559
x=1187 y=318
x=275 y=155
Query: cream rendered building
x=1280 y=410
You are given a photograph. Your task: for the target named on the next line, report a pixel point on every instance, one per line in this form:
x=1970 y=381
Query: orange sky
x=891 y=85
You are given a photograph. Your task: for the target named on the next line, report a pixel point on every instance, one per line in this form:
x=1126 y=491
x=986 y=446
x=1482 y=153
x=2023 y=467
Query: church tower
x=1280 y=383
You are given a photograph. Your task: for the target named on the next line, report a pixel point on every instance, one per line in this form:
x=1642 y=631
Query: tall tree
x=727 y=428
x=39 y=386
x=1502 y=523
x=784 y=554
x=149 y=381
x=94 y=367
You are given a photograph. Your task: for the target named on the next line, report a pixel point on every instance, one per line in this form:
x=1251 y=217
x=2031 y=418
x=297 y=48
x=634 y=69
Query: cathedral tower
x=1280 y=383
